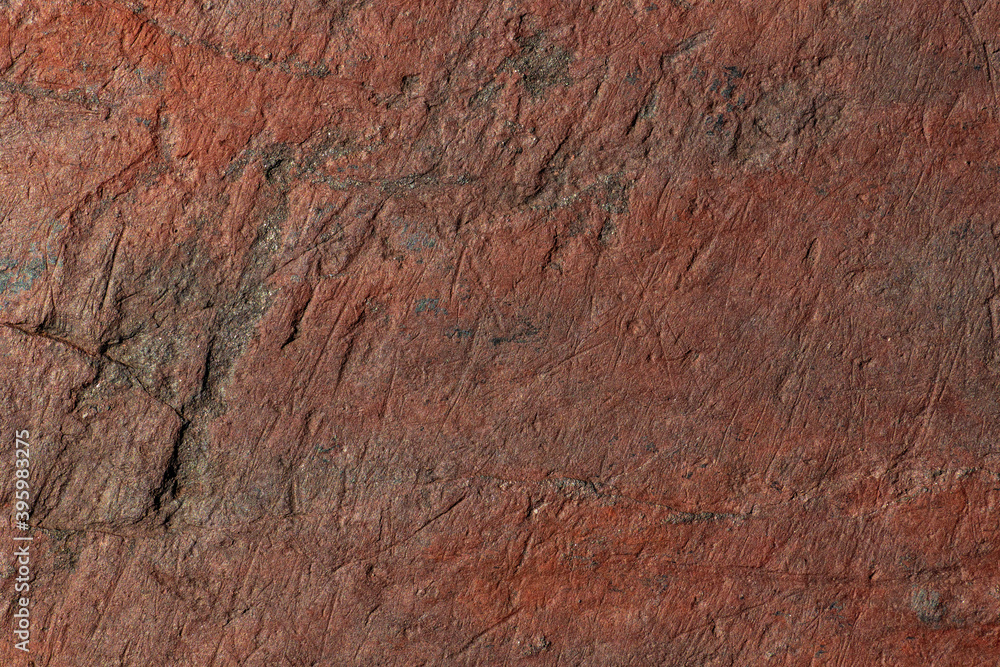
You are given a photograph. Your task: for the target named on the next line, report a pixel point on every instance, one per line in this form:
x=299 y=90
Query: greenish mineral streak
x=20 y=276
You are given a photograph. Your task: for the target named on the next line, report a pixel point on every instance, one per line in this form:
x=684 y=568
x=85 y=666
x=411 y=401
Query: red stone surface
x=464 y=333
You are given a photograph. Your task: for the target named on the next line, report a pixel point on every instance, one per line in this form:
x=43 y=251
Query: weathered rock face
x=393 y=333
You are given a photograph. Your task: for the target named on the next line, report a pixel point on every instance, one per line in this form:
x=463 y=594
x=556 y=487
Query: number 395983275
x=21 y=464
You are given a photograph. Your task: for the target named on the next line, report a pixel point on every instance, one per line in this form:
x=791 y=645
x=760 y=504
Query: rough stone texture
x=378 y=332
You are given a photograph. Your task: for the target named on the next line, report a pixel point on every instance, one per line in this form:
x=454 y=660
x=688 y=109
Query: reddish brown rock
x=613 y=333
